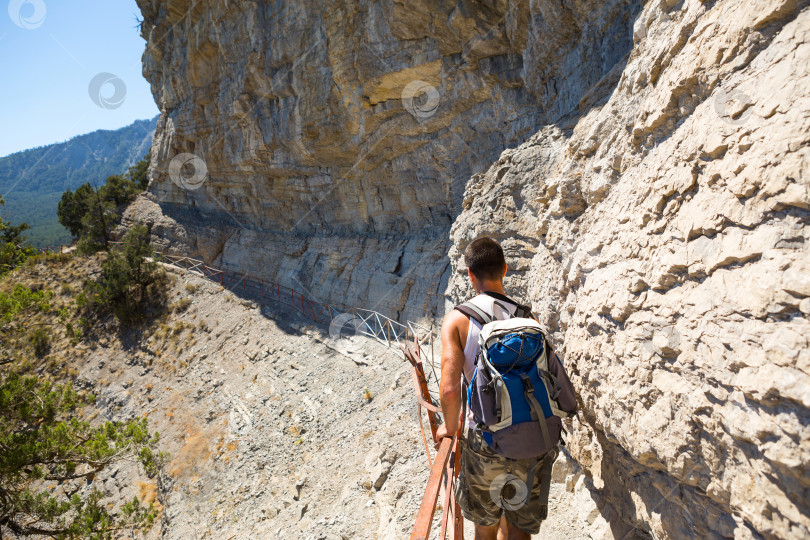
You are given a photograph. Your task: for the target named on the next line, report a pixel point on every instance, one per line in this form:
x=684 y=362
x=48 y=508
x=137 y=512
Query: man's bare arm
x=452 y=368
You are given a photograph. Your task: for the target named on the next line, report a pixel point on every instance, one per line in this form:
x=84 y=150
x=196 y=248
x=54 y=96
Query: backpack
x=519 y=392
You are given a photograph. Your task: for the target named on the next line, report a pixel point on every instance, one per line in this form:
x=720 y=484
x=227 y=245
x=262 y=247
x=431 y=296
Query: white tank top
x=488 y=305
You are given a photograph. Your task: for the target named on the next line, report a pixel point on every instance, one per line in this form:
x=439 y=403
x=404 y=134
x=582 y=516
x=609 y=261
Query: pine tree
x=130 y=284
x=48 y=454
x=14 y=249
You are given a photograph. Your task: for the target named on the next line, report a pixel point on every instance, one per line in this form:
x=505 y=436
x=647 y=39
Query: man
x=481 y=490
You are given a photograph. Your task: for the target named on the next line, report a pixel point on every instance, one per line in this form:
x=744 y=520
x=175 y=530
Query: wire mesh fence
x=366 y=322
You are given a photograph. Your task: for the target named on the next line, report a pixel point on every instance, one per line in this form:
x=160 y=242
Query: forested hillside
x=32 y=181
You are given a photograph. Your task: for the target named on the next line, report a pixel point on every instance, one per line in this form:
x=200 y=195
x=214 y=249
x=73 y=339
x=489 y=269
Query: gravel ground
x=275 y=430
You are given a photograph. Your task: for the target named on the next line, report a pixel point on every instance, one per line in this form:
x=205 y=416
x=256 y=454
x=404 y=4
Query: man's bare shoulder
x=455 y=324
x=453 y=318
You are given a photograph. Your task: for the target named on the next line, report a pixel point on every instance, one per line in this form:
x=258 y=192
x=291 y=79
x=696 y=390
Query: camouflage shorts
x=490 y=485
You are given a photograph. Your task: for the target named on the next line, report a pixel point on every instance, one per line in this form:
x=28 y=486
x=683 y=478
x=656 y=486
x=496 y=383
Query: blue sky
x=47 y=69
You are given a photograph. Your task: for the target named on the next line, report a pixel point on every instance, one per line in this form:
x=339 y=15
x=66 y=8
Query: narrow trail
x=363 y=321
x=414 y=343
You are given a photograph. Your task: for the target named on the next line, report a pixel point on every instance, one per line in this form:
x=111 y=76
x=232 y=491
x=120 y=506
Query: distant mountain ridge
x=32 y=181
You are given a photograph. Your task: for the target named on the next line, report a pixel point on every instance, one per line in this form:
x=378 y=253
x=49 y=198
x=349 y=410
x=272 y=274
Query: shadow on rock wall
x=331 y=148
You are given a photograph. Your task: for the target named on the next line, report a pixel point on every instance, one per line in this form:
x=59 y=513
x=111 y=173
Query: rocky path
x=277 y=430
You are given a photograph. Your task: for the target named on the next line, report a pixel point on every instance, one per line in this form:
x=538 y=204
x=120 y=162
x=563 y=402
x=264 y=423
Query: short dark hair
x=484 y=257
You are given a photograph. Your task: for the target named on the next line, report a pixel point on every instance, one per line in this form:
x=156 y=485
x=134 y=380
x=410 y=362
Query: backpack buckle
x=527 y=383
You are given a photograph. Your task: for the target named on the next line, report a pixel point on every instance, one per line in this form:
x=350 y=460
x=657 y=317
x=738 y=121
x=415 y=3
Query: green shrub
x=73 y=206
x=14 y=249
x=90 y=214
x=22 y=299
x=41 y=341
x=138 y=172
x=118 y=190
x=130 y=286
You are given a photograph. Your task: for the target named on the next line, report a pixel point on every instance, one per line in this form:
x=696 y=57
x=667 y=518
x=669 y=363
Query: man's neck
x=492 y=287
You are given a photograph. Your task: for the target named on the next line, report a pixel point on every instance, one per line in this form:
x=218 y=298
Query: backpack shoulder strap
x=474 y=312
x=524 y=311
x=521 y=311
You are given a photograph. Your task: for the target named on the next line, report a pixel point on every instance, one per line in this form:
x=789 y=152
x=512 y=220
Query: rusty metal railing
x=444 y=468
x=367 y=322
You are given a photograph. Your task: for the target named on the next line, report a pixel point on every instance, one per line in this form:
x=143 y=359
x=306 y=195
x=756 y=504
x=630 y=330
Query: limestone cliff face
x=662 y=235
x=653 y=201
x=338 y=135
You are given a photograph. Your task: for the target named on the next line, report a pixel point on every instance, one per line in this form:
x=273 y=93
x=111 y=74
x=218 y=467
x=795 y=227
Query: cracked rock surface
x=652 y=194
x=338 y=135
x=662 y=237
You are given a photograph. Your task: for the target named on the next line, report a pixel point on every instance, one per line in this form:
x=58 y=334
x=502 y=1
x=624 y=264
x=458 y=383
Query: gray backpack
x=519 y=392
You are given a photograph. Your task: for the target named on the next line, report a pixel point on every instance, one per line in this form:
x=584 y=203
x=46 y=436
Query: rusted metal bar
x=453 y=468
x=424 y=518
x=458 y=519
x=412 y=354
x=420 y=402
x=420 y=397
x=448 y=493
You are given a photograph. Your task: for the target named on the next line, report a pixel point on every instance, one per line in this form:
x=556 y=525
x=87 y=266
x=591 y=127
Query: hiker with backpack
x=500 y=373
